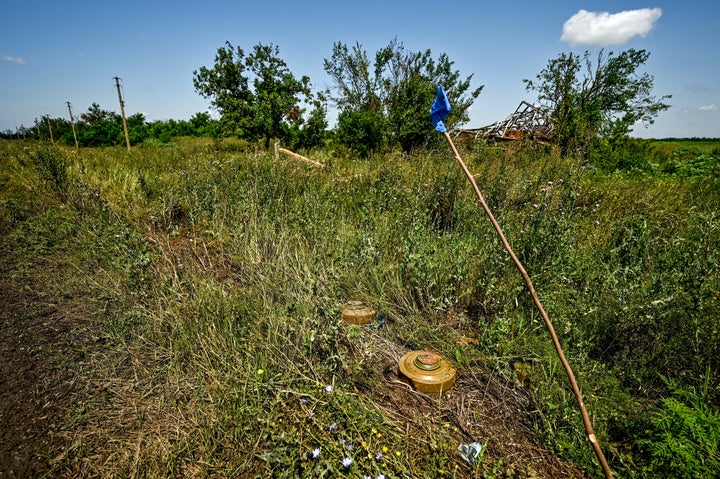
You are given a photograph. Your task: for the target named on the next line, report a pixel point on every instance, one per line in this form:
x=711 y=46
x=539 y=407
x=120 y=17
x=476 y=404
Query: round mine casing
x=427 y=372
x=356 y=312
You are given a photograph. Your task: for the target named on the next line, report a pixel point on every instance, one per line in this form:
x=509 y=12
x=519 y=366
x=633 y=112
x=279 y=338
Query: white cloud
x=603 y=28
x=18 y=60
x=709 y=108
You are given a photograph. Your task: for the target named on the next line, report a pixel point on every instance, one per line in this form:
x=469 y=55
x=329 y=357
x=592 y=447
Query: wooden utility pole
x=72 y=123
x=122 y=112
x=47 y=120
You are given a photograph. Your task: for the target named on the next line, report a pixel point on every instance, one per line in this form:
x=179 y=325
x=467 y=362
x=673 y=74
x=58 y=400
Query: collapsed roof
x=528 y=121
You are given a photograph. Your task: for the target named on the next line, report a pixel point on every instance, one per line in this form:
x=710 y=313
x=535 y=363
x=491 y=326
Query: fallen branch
x=292 y=154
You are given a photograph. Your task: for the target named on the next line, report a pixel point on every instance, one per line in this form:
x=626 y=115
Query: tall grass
x=220 y=275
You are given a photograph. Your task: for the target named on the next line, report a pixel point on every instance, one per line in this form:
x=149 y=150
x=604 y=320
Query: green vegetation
x=199 y=280
x=382 y=104
x=258 y=96
x=98 y=127
x=603 y=102
x=385 y=102
x=210 y=280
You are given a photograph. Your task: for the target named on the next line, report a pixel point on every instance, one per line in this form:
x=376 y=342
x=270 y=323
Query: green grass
x=217 y=276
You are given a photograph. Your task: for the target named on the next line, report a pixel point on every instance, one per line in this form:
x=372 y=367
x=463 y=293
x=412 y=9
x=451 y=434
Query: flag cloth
x=440 y=109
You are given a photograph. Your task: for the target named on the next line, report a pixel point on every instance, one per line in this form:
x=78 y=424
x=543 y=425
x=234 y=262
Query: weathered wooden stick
x=556 y=342
x=292 y=154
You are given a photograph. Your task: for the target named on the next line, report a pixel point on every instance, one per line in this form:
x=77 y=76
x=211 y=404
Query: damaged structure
x=527 y=122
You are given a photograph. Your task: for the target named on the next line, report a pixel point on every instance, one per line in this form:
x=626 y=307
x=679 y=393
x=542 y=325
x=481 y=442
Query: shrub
x=685 y=437
x=51 y=165
x=362 y=131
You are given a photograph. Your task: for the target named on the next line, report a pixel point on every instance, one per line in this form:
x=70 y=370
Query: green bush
x=363 y=131
x=684 y=440
x=52 y=164
x=624 y=154
x=693 y=163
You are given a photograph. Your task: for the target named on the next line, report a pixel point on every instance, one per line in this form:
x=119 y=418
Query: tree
x=257 y=95
x=361 y=122
x=137 y=128
x=311 y=132
x=603 y=102
x=96 y=115
x=203 y=125
x=410 y=89
x=393 y=95
x=350 y=70
x=100 y=127
x=60 y=127
x=361 y=129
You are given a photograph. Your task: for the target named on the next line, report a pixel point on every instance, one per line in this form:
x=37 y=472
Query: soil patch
x=38 y=345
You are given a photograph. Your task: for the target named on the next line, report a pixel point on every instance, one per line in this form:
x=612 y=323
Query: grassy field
x=181 y=305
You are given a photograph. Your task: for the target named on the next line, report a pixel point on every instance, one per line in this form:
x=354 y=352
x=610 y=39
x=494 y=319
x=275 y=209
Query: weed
x=685 y=435
x=51 y=164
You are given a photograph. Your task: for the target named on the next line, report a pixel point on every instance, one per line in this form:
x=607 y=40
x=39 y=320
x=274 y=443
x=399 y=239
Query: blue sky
x=52 y=52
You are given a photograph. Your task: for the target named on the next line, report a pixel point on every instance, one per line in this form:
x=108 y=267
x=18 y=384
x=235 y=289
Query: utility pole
x=47 y=120
x=72 y=122
x=122 y=112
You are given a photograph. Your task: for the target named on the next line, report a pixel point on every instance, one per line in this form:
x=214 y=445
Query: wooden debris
x=292 y=154
x=528 y=121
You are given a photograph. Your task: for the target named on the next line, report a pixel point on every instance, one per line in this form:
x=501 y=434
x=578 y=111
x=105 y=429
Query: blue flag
x=440 y=109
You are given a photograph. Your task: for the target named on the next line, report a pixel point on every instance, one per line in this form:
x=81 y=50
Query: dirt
x=37 y=344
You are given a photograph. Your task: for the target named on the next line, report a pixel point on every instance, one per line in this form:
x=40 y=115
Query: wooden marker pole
x=556 y=342
x=292 y=154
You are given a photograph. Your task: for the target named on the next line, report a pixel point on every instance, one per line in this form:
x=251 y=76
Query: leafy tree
x=361 y=122
x=276 y=93
x=361 y=129
x=311 y=132
x=138 y=130
x=256 y=94
x=200 y=124
x=100 y=127
x=203 y=125
x=393 y=94
x=409 y=88
x=590 y=99
x=61 y=130
x=356 y=87
x=228 y=88
x=96 y=115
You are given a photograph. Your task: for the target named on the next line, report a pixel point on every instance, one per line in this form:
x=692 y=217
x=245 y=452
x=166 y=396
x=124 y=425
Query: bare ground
x=35 y=392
